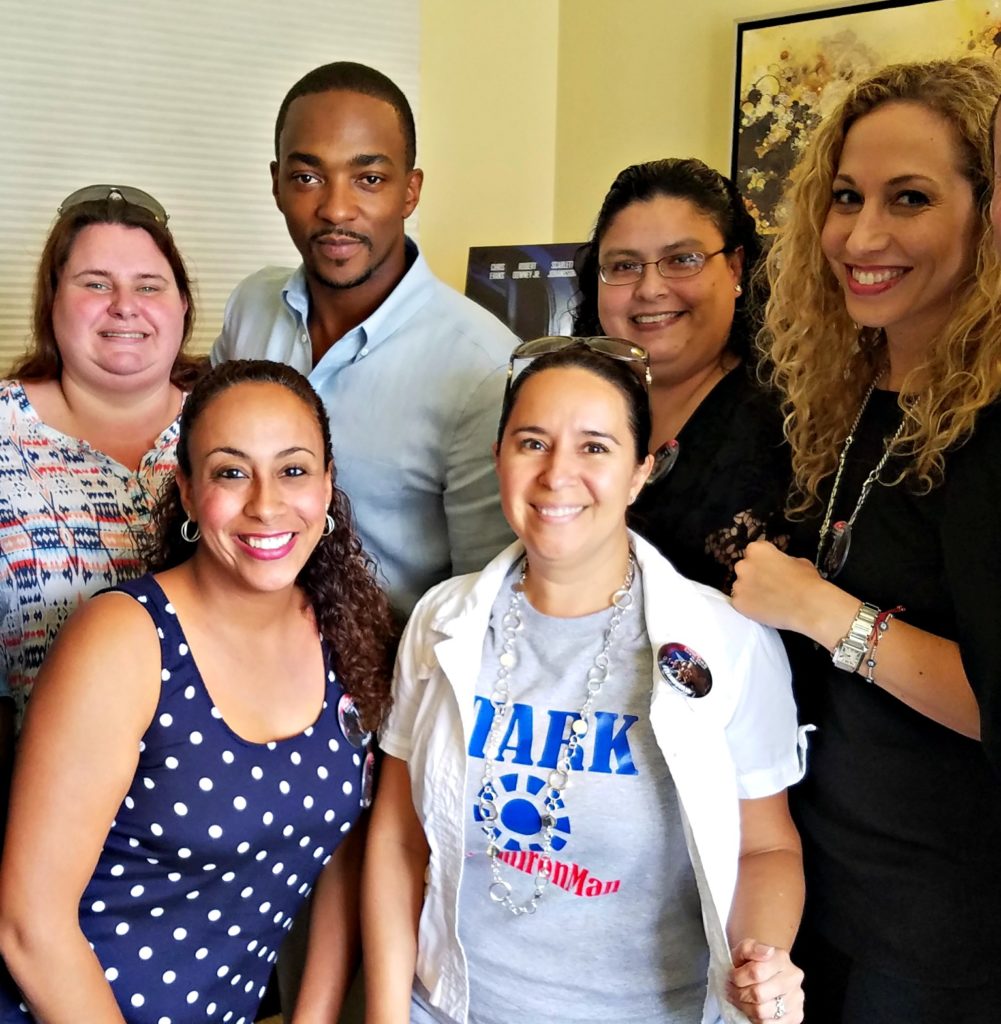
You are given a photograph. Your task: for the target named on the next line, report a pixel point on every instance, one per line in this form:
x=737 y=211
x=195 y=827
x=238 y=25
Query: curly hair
x=351 y=611
x=42 y=361
x=821 y=362
x=713 y=195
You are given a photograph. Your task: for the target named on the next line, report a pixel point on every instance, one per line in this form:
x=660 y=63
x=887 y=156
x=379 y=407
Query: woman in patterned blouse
x=88 y=418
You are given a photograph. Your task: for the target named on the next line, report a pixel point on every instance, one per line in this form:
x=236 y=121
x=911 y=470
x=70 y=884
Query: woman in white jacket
x=582 y=814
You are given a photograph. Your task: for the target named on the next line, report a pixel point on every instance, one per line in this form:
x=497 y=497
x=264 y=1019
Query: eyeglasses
x=614 y=348
x=677 y=264
x=115 y=193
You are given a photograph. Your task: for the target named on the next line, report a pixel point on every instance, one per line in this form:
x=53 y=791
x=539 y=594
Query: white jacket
x=739 y=742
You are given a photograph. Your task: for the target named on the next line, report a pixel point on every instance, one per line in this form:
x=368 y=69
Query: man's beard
x=355 y=282
x=339 y=286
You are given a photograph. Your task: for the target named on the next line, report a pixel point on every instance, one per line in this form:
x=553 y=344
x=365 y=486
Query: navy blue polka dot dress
x=216 y=845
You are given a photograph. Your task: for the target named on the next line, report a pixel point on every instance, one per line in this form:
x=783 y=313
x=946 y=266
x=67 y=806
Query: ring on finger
x=780 y=1008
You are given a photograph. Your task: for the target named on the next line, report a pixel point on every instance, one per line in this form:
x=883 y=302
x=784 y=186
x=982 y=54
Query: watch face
x=684 y=669
x=849 y=653
x=847 y=658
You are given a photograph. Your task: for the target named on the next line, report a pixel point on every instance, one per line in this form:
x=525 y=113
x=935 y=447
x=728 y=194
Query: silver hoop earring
x=330 y=527
x=187 y=534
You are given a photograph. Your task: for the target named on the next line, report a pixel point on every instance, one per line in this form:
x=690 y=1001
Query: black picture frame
x=760 y=166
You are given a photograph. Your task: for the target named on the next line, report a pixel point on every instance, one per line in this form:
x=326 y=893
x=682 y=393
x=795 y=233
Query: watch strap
x=851 y=648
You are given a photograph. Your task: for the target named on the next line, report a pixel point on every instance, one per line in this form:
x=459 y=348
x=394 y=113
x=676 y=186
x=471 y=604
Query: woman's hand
x=923 y=670
x=764 y=984
x=767 y=903
x=777 y=590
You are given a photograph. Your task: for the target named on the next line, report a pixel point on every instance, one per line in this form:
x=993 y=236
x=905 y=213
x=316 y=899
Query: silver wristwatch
x=851 y=648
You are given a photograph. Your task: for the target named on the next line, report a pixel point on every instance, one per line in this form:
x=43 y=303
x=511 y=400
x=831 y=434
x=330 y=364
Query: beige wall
x=531 y=107
x=656 y=83
x=488 y=126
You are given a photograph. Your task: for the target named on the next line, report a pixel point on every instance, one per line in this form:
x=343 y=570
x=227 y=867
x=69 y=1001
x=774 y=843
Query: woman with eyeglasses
x=671 y=267
x=582 y=812
x=885 y=333
x=88 y=418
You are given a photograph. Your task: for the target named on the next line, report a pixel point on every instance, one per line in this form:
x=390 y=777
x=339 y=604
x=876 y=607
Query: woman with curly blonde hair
x=884 y=332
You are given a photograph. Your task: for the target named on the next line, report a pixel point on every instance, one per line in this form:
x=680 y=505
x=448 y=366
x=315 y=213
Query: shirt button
x=303 y=338
x=364 y=351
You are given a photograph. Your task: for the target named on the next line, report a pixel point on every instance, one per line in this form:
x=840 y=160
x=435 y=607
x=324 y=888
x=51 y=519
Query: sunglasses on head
x=115 y=193
x=614 y=348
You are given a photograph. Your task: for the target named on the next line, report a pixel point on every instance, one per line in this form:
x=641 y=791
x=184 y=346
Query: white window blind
x=177 y=98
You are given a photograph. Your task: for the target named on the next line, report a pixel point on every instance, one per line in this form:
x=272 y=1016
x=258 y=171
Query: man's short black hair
x=346 y=76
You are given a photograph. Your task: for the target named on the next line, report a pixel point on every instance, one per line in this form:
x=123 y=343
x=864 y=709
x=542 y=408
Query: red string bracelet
x=881 y=625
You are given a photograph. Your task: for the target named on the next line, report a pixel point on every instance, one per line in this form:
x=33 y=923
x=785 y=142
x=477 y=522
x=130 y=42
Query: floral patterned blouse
x=67 y=519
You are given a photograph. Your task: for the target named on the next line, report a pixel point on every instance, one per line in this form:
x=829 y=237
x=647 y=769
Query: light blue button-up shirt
x=414 y=395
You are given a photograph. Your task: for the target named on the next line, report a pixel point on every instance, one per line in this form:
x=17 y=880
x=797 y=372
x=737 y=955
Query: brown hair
x=43 y=361
x=612 y=371
x=351 y=611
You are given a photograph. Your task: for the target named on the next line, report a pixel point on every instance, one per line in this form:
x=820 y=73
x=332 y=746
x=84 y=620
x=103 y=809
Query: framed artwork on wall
x=791 y=70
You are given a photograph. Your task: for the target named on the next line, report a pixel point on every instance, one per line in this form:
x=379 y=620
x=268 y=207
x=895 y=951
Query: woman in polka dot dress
x=191 y=766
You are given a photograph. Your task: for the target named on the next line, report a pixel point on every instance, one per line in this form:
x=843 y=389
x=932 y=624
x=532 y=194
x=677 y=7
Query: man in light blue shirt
x=411 y=372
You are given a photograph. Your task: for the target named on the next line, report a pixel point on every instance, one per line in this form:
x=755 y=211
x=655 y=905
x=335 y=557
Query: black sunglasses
x=614 y=348
x=115 y=193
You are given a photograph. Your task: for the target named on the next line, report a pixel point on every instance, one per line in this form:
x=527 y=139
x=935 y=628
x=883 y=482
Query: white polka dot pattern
x=214 y=848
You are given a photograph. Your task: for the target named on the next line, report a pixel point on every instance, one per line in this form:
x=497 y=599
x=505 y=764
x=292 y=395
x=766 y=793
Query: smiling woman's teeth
x=122 y=334
x=559 y=513
x=875 y=276
x=268 y=543
x=655 y=318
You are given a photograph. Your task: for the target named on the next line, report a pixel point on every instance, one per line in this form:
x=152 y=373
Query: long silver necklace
x=841 y=533
x=559 y=777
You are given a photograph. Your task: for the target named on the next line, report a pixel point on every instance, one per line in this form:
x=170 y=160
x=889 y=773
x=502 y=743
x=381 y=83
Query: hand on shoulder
x=775 y=589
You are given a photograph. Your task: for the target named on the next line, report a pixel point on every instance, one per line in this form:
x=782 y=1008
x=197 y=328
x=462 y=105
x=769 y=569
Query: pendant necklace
x=559 y=777
x=839 y=535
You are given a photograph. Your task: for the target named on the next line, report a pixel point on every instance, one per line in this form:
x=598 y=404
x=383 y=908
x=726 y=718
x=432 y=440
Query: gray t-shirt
x=618 y=934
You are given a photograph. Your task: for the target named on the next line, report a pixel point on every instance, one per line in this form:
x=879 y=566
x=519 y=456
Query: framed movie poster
x=532 y=288
x=792 y=70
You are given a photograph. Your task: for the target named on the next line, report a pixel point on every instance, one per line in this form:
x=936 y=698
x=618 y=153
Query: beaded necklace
x=559 y=777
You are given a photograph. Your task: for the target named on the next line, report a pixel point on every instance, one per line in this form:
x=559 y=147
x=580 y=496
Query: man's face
x=342 y=184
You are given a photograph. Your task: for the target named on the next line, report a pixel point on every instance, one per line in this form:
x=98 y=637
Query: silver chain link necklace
x=840 y=535
x=559 y=777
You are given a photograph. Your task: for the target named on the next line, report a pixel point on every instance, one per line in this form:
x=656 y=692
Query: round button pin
x=685 y=670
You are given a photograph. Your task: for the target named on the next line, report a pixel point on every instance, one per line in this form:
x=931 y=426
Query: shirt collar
x=296 y=294
x=396 y=309
x=663 y=586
